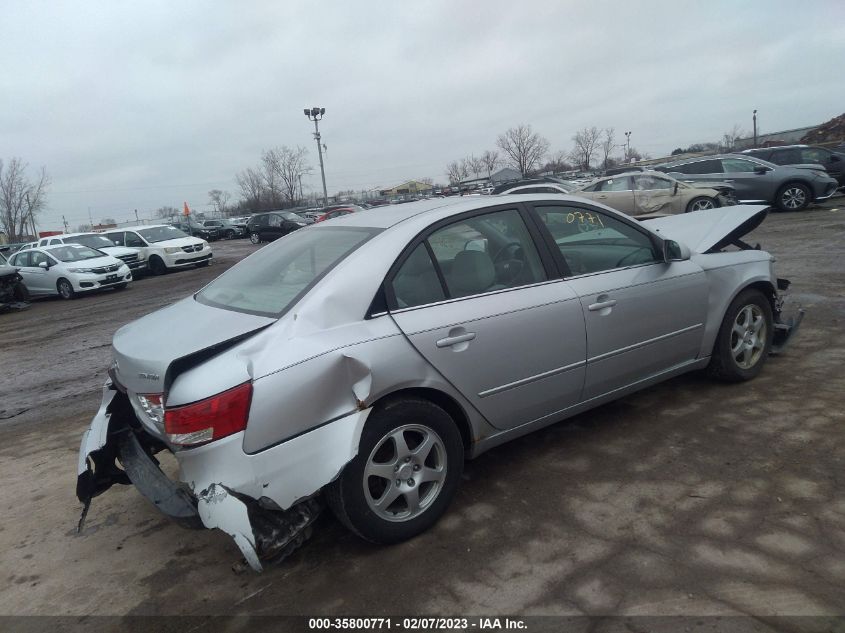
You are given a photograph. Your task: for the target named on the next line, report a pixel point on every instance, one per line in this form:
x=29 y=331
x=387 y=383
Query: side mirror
x=760 y=170
x=675 y=252
x=44 y=265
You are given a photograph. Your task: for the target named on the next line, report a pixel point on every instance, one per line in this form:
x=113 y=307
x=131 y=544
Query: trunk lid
x=149 y=352
x=711 y=229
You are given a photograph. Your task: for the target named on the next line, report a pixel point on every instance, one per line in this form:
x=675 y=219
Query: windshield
x=74 y=253
x=94 y=241
x=275 y=277
x=287 y=215
x=161 y=233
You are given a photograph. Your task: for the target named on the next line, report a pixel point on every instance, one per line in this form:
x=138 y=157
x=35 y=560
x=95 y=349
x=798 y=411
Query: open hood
x=711 y=229
x=150 y=351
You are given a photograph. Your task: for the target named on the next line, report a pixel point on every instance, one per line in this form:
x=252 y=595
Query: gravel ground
x=689 y=498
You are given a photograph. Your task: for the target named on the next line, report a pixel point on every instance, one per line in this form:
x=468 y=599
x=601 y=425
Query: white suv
x=129 y=256
x=163 y=247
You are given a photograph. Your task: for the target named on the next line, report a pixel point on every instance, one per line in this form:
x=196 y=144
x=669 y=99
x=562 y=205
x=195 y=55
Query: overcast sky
x=137 y=105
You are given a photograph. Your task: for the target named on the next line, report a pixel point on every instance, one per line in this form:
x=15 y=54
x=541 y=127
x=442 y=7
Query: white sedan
x=68 y=269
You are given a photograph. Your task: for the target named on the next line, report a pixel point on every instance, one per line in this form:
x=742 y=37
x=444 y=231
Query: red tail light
x=209 y=419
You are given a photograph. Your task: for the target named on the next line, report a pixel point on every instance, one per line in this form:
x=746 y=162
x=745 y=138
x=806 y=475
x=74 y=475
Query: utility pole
x=627 y=146
x=64 y=221
x=136 y=216
x=315 y=114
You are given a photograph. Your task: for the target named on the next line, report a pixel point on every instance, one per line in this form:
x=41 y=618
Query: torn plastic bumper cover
x=266 y=501
x=785 y=328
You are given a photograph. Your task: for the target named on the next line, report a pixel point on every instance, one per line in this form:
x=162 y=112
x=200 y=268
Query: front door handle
x=454 y=340
x=601 y=305
x=602 y=197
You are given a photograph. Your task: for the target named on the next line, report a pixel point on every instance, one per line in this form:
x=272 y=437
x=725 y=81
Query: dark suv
x=832 y=161
x=266 y=227
x=195 y=229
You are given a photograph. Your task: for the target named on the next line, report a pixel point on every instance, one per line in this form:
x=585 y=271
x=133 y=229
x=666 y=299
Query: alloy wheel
x=405 y=472
x=701 y=205
x=748 y=336
x=794 y=198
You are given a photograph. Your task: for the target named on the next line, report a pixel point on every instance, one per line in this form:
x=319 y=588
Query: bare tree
x=426 y=180
x=108 y=221
x=474 y=165
x=219 y=199
x=456 y=171
x=491 y=160
x=166 y=212
x=586 y=143
x=525 y=148
x=20 y=198
x=251 y=184
x=730 y=138
x=558 y=162
x=282 y=169
x=608 y=144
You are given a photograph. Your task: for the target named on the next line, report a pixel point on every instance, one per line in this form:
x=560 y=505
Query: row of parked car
x=73 y=263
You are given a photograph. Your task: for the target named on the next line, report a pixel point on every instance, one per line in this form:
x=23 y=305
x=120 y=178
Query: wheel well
x=803 y=183
x=768 y=291
x=442 y=400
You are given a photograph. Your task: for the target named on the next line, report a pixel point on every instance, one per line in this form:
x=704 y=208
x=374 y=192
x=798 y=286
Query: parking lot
x=691 y=497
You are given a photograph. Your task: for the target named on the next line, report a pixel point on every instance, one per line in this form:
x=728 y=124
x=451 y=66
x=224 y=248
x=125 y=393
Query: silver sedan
x=361 y=360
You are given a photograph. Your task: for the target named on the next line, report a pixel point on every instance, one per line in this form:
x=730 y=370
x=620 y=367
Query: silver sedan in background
x=362 y=359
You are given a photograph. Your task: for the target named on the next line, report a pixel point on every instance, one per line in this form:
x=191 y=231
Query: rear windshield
x=161 y=233
x=275 y=277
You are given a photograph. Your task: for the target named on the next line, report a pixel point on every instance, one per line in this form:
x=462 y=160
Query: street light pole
x=627 y=146
x=755 y=128
x=315 y=114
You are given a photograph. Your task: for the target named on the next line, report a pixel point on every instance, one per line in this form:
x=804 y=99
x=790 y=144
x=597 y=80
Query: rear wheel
x=229 y=234
x=793 y=197
x=157 y=266
x=700 y=204
x=744 y=339
x=253 y=237
x=407 y=470
x=65 y=289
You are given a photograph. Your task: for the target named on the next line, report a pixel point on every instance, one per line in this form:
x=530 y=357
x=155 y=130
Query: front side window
x=134 y=241
x=814 y=155
x=481 y=254
x=651 y=183
x=275 y=277
x=115 y=238
x=275 y=221
x=592 y=242
x=37 y=258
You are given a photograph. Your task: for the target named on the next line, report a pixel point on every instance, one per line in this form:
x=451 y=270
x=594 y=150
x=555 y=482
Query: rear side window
x=786 y=157
x=117 y=238
x=738 y=166
x=615 y=184
x=481 y=254
x=700 y=167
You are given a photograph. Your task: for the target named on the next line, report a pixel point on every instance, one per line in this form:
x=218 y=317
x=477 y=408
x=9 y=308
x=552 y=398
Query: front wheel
x=65 y=289
x=157 y=265
x=744 y=339
x=794 y=197
x=253 y=237
x=407 y=470
x=701 y=204
x=228 y=235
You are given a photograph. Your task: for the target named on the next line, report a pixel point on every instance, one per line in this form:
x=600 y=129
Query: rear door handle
x=454 y=340
x=602 y=197
x=601 y=305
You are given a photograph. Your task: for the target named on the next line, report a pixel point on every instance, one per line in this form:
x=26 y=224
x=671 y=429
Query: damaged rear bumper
x=265 y=501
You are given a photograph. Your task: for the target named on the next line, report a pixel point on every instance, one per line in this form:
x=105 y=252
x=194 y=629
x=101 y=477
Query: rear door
x=643 y=316
x=35 y=277
x=478 y=299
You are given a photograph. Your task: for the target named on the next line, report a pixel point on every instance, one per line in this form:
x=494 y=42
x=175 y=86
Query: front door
x=654 y=194
x=478 y=303
x=643 y=316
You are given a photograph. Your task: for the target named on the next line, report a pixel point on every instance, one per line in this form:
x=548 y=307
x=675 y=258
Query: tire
x=121 y=286
x=354 y=497
x=157 y=265
x=794 y=196
x=228 y=235
x=65 y=289
x=701 y=203
x=254 y=238
x=744 y=339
